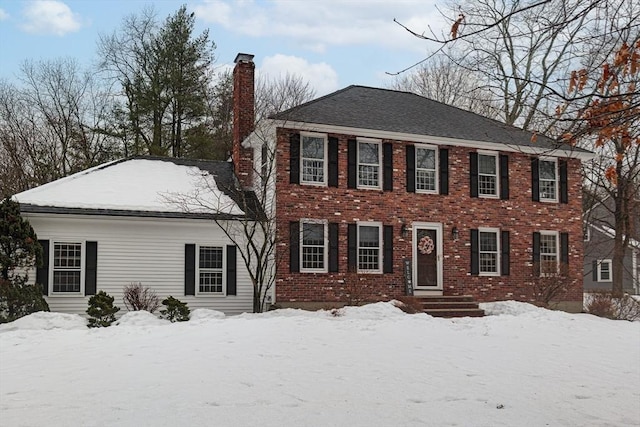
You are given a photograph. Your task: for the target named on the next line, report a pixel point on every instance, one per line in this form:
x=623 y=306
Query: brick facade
x=519 y=215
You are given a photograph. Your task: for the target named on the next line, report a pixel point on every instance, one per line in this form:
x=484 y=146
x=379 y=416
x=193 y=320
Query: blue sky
x=331 y=43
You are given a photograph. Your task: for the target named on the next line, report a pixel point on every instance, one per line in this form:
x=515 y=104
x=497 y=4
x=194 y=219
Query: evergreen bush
x=101 y=310
x=176 y=311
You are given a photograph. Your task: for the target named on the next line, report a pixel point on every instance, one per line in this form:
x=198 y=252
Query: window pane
x=548 y=244
x=210 y=257
x=312 y=147
x=211 y=281
x=312 y=234
x=488 y=242
x=605 y=271
x=487 y=185
x=425 y=180
x=67 y=255
x=312 y=170
x=487 y=164
x=425 y=158
x=368 y=153
x=66 y=281
x=547 y=189
x=488 y=262
x=369 y=236
x=547 y=170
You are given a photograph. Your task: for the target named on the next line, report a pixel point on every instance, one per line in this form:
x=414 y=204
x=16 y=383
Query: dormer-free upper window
x=487 y=175
x=426 y=167
x=313 y=159
x=548 y=176
x=369 y=163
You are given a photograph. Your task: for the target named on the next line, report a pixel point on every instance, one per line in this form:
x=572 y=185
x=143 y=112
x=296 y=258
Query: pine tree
x=19 y=251
x=176 y=311
x=101 y=310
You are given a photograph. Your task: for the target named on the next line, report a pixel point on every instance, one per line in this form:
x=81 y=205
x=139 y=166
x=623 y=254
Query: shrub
x=19 y=299
x=603 y=304
x=137 y=297
x=176 y=311
x=549 y=286
x=101 y=310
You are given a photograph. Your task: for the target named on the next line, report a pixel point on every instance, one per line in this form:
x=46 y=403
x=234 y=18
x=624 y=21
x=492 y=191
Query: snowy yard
x=371 y=366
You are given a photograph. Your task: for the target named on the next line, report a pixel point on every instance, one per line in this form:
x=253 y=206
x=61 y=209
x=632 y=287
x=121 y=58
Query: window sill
x=314 y=184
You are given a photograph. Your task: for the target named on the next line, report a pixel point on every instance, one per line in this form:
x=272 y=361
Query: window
x=313 y=246
x=369 y=164
x=210 y=270
x=548 y=175
x=426 y=167
x=489 y=251
x=67 y=267
x=487 y=175
x=604 y=270
x=314 y=154
x=586 y=233
x=548 y=253
x=369 y=247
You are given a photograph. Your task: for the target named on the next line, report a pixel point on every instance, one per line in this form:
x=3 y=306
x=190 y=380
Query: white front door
x=427 y=256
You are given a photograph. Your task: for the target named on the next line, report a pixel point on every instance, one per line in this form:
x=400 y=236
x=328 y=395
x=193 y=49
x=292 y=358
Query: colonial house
x=141 y=220
x=598 y=234
x=381 y=193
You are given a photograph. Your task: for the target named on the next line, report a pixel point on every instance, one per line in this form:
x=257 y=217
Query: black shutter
x=190 y=269
x=91 y=268
x=294 y=158
x=352 y=163
x=473 y=173
x=475 y=252
x=352 y=247
x=535 y=179
x=444 y=171
x=387 y=166
x=42 y=272
x=504 y=176
x=232 y=271
x=387 y=254
x=564 y=184
x=294 y=247
x=333 y=247
x=536 y=253
x=564 y=248
x=505 y=268
x=594 y=270
x=411 y=168
x=333 y=162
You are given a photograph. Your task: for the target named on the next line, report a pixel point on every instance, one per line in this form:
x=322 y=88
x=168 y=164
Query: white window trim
x=224 y=270
x=325 y=224
x=83 y=262
x=437 y=169
x=325 y=165
x=380 y=167
x=380 y=246
x=557 y=180
x=496 y=231
x=496 y=156
x=610 y=264
x=557 y=237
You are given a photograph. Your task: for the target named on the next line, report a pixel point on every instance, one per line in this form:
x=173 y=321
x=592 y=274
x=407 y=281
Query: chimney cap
x=243 y=57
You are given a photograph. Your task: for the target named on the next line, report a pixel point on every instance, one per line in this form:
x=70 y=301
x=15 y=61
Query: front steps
x=450 y=306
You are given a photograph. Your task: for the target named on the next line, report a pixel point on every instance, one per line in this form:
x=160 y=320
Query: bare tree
x=52 y=124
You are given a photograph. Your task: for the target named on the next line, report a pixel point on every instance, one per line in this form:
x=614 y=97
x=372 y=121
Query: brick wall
x=519 y=215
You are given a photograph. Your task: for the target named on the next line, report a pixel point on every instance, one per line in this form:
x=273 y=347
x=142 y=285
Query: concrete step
x=462 y=312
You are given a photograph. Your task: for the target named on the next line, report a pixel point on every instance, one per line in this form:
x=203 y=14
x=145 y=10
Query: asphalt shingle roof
x=403 y=112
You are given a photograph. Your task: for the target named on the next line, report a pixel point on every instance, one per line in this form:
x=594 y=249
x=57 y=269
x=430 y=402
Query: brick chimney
x=243 y=117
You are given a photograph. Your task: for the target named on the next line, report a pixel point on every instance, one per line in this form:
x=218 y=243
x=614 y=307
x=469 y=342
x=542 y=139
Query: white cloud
x=321 y=76
x=315 y=24
x=3 y=15
x=50 y=17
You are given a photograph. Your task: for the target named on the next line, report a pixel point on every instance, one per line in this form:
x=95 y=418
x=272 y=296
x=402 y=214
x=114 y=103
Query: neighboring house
x=598 y=234
x=380 y=193
x=124 y=222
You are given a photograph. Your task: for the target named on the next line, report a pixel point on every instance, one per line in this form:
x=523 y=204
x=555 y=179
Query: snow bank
x=43 y=320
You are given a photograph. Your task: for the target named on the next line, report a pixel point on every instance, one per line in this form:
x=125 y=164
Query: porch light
x=404 y=230
x=455 y=234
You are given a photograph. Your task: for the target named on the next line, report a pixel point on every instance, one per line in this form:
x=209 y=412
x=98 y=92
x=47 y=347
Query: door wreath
x=426 y=245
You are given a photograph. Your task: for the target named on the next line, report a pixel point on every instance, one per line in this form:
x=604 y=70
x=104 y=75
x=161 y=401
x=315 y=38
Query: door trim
x=437 y=226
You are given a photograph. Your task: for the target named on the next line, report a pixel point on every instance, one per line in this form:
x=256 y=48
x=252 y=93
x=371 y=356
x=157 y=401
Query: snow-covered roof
x=140 y=185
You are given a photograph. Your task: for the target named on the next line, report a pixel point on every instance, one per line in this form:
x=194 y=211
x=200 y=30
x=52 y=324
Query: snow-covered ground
x=370 y=366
